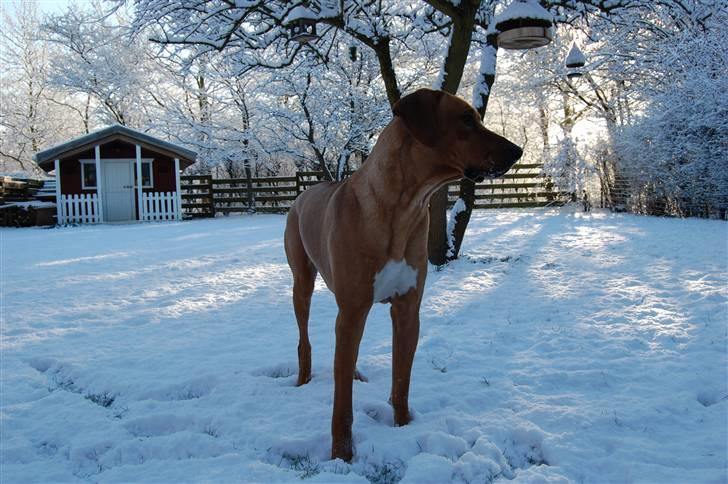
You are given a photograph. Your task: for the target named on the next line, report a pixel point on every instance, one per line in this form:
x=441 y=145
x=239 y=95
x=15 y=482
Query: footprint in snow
x=708 y=398
x=187 y=390
x=281 y=370
x=379 y=412
x=157 y=425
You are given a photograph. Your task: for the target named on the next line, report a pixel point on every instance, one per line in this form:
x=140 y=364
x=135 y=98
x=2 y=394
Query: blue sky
x=44 y=6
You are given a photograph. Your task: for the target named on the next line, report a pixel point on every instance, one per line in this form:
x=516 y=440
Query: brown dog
x=367 y=237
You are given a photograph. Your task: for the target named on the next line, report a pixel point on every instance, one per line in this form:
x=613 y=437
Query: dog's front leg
x=405 y=313
x=349 y=330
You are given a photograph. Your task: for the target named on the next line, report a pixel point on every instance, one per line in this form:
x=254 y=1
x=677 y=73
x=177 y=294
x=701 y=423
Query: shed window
x=88 y=175
x=147 y=175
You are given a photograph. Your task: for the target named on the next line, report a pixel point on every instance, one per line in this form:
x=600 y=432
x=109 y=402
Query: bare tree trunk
x=544 y=128
x=389 y=77
x=457 y=54
x=87 y=114
x=467 y=187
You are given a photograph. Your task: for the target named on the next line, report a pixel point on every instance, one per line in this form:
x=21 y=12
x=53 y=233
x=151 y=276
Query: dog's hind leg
x=304 y=277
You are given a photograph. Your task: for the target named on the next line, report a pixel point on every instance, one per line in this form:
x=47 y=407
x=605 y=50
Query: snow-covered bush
x=674 y=155
x=569 y=167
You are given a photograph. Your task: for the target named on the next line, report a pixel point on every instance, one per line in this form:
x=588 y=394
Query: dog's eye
x=469 y=120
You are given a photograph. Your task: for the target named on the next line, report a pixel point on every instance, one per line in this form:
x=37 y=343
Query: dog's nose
x=515 y=152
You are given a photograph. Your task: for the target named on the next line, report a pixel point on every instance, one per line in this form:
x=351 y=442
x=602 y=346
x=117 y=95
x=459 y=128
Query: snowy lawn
x=563 y=346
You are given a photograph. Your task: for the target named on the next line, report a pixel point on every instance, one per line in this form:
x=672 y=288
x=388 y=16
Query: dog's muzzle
x=478 y=176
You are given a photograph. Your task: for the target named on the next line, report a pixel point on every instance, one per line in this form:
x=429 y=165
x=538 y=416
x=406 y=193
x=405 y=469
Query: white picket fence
x=160 y=206
x=78 y=209
x=84 y=209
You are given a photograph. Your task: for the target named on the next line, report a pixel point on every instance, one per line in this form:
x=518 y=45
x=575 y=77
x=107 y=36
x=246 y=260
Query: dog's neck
x=392 y=181
x=397 y=192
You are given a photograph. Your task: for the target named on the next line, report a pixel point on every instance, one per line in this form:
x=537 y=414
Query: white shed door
x=118 y=191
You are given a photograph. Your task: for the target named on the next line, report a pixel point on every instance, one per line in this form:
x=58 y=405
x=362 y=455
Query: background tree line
x=643 y=130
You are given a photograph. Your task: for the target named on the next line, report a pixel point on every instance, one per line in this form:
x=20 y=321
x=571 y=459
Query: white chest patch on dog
x=395 y=278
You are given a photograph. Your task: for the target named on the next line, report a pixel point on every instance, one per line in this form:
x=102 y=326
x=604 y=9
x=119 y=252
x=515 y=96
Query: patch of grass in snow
x=63 y=382
x=521 y=454
x=490 y=259
x=536 y=458
x=301 y=463
x=438 y=364
x=59 y=381
x=211 y=431
x=120 y=413
x=104 y=399
x=188 y=394
x=386 y=473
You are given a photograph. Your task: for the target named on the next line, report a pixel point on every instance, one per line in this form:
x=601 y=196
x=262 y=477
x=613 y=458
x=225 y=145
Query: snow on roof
x=299 y=13
x=45 y=158
x=524 y=9
x=576 y=56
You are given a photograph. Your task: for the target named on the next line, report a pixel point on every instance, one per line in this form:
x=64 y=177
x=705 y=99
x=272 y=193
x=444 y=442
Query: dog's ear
x=419 y=113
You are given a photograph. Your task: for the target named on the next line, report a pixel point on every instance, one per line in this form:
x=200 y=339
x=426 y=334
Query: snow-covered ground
x=563 y=347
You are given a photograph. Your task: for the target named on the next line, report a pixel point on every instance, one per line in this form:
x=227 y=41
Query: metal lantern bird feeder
x=524 y=24
x=574 y=62
x=301 y=24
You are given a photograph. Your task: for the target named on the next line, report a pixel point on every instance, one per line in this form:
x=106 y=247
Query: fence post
x=59 y=201
x=99 y=181
x=211 y=194
x=251 y=192
x=178 y=189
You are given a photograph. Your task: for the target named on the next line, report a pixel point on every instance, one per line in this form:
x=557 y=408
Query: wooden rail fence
x=203 y=196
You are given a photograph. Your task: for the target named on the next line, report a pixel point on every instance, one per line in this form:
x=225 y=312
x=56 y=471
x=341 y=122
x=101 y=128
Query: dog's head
x=451 y=127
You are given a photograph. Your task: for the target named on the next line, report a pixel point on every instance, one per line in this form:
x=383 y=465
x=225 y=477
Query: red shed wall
x=162 y=167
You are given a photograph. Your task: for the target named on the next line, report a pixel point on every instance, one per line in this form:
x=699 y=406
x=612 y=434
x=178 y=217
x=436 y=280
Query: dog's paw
x=303 y=379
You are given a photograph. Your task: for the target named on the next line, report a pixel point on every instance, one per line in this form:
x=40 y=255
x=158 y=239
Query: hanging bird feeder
x=574 y=62
x=575 y=58
x=301 y=24
x=524 y=24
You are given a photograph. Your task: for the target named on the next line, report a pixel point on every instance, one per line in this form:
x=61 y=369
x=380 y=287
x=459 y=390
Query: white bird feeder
x=574 y=62
x=524 y=24
x=301 y=24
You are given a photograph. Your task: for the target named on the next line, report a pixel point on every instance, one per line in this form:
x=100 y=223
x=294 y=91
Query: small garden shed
x=116 y=174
